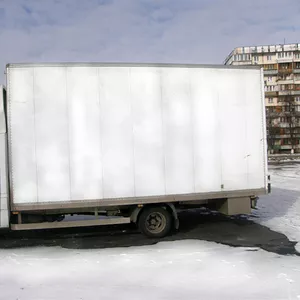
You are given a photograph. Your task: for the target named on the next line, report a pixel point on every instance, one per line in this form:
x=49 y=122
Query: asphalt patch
x=237 y=231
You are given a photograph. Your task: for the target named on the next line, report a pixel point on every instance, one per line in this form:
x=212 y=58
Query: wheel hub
x=156 y=222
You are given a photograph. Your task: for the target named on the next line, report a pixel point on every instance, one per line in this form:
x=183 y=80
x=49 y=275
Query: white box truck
x=129 y=143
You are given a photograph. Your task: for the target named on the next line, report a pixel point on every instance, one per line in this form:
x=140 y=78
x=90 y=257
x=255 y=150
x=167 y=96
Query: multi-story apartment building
x=281 y=64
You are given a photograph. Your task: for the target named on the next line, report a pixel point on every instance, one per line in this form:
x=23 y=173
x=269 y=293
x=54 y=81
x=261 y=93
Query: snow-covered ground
x=169 y=270
x=280 y=210
x=173 y=270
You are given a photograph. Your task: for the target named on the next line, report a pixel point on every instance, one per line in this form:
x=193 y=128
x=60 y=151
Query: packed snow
x=168 y=270
x=280 y=210
x=177 y=270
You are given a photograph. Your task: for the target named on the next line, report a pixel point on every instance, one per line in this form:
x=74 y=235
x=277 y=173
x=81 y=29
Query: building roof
x=263 y=49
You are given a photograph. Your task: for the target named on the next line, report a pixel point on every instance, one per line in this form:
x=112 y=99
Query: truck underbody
x=27 y=217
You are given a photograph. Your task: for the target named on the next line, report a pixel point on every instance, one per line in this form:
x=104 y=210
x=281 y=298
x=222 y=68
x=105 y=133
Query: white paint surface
x=82 y=133
x=4 y=219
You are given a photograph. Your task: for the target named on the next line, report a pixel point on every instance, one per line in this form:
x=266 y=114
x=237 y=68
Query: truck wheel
x=155 y=222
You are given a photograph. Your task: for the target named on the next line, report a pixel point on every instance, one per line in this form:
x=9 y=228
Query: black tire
x=155 y=222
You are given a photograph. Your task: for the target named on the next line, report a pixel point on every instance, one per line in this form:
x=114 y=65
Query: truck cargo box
x=107 y=134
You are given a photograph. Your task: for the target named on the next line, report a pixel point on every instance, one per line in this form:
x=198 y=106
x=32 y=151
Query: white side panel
x=85 y=133
x=21 y=113
x=232 y=120
x=2 y=114
x=178 y=131
x=206 y=130
x=256 y=139
x=4 y=213
x=52 y=134
x=117 y=136
x=149 y=160
x=4 y=220
x=3 y=172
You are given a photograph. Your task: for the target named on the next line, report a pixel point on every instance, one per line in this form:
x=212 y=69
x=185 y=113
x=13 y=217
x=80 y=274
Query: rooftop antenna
x=283 y=41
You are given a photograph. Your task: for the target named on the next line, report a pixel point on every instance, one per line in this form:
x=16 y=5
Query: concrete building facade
x=281 y=64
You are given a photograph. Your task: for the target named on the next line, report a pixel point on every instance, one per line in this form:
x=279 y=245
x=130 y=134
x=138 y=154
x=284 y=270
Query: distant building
x=281 y=64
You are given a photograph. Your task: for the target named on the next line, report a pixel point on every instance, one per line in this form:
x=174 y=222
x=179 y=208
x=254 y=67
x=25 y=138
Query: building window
x=269 y=78
x=285 y=54
x=284 y=66
x=270 y=67
x=270 y=88
x=270 y=100
x=255 y=58
x=269 y=57
x=245 y=57
x=297 y=99
x=296 y=77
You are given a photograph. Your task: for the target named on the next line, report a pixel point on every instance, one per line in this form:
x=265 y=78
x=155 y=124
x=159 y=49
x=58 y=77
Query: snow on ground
x=280 y=210
x=169 y=270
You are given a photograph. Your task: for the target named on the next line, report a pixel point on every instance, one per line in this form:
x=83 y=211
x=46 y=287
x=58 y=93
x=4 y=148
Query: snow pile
x=172 y=270
x=280 y=210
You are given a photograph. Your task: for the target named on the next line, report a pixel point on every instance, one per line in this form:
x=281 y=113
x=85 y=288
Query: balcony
x=271 y=72
x=288 y=125
x=289 y=147
x=285 y=81
x=286 y=147
x=243 y=63
x=296 y=71
x=285 y=59
x=271 y=93
x=280 y=136
x=285 y=71
x=285 y=93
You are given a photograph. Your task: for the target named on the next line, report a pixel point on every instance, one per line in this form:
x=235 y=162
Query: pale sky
x=170 y=31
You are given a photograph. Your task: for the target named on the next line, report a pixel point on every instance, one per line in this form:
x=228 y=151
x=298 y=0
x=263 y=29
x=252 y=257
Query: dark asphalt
x=194 y=224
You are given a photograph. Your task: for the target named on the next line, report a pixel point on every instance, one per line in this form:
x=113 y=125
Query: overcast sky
x=176 y=31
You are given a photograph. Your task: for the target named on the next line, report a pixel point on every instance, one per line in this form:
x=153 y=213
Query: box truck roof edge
x=128 y=64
